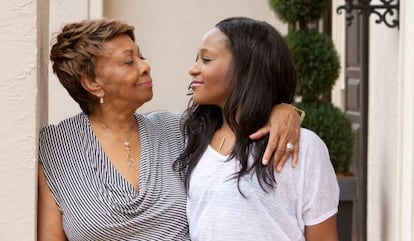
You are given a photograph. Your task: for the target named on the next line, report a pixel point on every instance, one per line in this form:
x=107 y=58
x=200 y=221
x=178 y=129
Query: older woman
x=106 y=173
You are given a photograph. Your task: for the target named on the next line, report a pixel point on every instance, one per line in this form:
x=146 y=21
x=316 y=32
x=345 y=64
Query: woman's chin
x=149 y=98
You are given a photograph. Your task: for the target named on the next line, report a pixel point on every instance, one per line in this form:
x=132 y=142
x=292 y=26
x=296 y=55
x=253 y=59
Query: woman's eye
x=205 y=60
x=142 y=57
x=129 y=62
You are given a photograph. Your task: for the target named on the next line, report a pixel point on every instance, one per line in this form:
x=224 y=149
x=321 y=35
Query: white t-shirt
x=303 y=196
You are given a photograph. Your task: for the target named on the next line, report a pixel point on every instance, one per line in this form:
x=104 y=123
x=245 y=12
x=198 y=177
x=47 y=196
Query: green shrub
x=317 y=65
x=333 y=127
x=316 y=62
x=299 y=11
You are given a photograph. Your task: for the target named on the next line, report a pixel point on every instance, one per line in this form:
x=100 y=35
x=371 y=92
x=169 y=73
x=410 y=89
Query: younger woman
x=243 y=68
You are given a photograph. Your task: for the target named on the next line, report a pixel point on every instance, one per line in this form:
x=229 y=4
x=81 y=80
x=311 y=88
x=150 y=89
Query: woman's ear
x=90 y=85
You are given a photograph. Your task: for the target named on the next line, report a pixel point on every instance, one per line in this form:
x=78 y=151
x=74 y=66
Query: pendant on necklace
x=131 y=163
x=222 y=142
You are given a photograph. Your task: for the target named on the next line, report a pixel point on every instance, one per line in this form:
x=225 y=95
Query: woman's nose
x=194 y=70
x=143 y=67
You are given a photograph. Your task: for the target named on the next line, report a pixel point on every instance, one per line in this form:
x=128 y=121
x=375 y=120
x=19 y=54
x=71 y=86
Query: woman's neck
x=225 y=128
x=119 y=122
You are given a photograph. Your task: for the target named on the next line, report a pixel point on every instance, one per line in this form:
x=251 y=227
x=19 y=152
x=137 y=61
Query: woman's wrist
x=300 y=112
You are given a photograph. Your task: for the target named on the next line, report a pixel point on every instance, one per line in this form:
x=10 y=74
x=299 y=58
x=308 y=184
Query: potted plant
x=317 y=64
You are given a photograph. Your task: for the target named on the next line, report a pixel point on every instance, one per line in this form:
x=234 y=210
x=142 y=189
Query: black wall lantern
x=384 y=11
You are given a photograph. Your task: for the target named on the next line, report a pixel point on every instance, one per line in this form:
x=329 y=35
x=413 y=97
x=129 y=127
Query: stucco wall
x=24 y=50
x=168 y=33
x=20 y=69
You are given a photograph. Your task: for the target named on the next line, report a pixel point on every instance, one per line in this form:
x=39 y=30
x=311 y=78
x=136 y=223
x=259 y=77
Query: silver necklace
x=133 y=164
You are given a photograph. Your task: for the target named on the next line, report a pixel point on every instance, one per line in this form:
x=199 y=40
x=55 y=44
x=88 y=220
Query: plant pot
x=347 y=196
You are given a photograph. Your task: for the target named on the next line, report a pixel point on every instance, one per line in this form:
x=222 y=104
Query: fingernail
x=279 y=168
x=265 y=161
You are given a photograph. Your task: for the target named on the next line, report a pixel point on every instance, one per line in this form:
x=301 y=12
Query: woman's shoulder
x=163 y=118
x=309 y=139
x=163 y=115
x=162 y=125
x=56 y=141
x=66 y=126
x=313 y=152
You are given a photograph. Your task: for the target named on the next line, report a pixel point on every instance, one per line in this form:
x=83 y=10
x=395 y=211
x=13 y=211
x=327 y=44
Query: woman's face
x=122 y=73
x=210 y=71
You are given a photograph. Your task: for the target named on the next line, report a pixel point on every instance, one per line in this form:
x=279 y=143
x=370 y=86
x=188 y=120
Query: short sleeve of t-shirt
x=319 y=181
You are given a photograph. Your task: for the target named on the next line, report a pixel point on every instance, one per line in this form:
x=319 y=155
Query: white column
x=405 y=151
x=383 y=132
x=338 y=37
x=95 y=8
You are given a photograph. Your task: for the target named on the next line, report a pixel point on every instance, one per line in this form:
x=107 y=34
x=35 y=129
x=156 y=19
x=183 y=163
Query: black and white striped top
x=96 y=202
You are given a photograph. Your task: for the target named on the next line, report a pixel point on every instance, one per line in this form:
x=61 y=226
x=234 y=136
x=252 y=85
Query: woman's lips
x=195 y=83
x=146 y=83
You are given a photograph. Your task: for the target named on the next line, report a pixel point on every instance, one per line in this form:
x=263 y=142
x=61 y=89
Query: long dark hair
x=261 y=75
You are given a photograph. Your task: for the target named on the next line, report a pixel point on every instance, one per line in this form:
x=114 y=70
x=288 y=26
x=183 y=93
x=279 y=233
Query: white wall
x=168 y=33
x=405 y=151
x=382 y=134
x=22 y=53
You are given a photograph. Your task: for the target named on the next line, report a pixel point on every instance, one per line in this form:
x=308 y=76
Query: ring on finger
x=290 y=146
